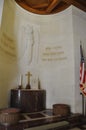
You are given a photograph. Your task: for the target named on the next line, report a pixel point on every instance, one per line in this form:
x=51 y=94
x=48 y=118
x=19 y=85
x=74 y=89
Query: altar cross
x=28 y=75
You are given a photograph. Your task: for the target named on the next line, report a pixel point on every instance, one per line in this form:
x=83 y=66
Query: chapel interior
x=42 y=45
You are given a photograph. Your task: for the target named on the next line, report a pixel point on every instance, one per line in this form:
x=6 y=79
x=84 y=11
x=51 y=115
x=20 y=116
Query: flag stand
x=83 y=105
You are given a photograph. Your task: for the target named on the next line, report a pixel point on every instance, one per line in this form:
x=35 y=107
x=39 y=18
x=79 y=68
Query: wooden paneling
x=77 y=3
x=50 y=6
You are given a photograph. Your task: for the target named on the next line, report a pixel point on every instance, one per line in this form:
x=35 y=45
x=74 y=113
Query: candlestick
x=20 y=82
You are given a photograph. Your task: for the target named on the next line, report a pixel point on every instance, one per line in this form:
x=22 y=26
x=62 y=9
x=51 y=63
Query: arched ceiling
x=50 y=6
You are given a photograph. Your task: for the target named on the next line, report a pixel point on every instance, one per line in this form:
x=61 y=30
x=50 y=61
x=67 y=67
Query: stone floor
x=83 y=127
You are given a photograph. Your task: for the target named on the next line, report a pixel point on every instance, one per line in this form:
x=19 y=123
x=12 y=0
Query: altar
x=28 y=100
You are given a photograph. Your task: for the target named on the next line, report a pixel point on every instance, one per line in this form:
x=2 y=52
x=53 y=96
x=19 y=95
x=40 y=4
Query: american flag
x=82 y=73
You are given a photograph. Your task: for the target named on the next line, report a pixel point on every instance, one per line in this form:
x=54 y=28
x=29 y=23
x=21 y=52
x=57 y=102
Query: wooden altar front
x=28 y=100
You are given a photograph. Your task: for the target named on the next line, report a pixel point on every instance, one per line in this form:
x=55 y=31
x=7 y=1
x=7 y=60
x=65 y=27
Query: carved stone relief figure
x=29 y=43
x=26 y=42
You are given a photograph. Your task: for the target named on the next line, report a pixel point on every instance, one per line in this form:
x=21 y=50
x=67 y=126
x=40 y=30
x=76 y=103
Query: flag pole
x=84 y=105
x=83 y=111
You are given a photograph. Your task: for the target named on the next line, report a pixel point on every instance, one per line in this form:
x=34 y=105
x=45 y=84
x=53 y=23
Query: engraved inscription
x=53 y=53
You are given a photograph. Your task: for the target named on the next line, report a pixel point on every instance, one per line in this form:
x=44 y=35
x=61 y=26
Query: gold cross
x=28 y=75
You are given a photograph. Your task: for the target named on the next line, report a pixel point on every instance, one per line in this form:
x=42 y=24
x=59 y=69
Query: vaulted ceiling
x=50 y=6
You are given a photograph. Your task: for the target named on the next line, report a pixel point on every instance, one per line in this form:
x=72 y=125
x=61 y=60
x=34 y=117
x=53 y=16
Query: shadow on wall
x=8 y=50
x=8 y=43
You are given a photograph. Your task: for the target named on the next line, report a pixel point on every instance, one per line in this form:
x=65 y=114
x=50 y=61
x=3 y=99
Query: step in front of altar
x=46 y=120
